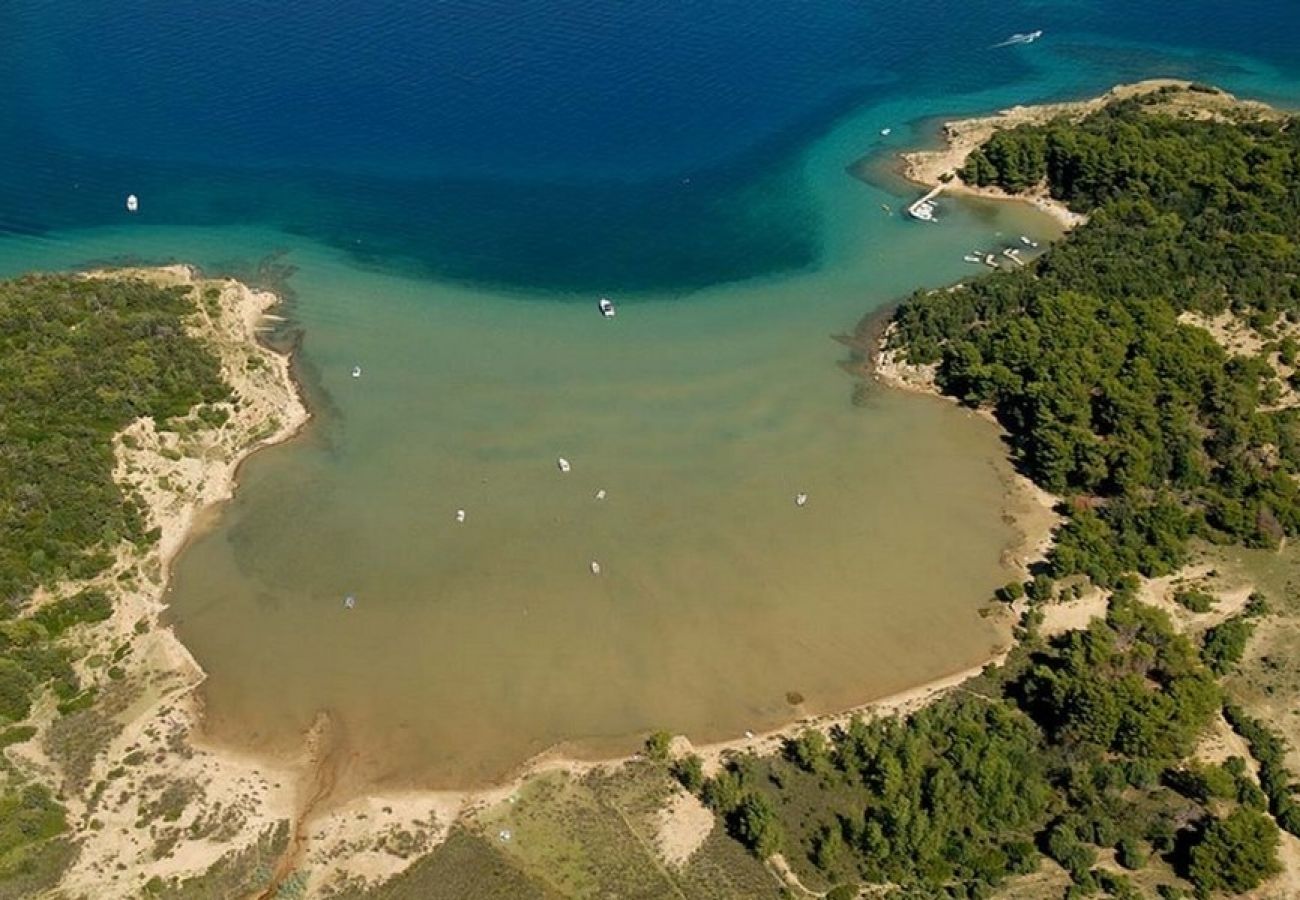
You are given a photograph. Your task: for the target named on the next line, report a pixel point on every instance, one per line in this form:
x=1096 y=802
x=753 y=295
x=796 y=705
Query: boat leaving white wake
x=1027 y=38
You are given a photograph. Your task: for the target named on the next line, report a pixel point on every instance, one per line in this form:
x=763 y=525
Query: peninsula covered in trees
x=1082 y=747
x=1111 y=398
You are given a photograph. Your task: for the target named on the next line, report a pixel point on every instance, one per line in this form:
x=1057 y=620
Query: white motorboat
x=924 y=211
x=356 y=371
x=606 y=307
x=132 y=203
x=1027 y=38
x=563 y=464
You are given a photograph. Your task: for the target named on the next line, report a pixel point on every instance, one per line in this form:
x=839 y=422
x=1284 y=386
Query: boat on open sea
x=1027 y=38
x=132 y=203
x=606 y=307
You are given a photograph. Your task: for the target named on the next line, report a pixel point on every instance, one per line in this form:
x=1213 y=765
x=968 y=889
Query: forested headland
x=79 y=360
x=1081 y=749
x=1149 y=429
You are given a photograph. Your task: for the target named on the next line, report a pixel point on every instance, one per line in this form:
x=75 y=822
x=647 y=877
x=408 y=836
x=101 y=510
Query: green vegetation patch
x=32 y=854
x=240 y=873
x=79 y=360
x=1074 y=750
x=1145 y=424
x=466 y=866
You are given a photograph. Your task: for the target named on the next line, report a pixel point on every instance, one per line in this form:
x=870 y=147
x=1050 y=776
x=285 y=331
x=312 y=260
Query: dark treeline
x=79 y=360
x=1146 y=424
x=1073 y=749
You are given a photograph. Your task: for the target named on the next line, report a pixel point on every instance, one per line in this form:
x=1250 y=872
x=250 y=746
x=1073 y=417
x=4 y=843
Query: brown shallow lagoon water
x=472 y=647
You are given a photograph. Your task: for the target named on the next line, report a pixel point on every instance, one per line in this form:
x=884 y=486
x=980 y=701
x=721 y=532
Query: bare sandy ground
x=681 y=828
x=149 y=766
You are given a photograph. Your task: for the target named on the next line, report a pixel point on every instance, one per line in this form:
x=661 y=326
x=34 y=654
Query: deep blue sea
x=537 y=144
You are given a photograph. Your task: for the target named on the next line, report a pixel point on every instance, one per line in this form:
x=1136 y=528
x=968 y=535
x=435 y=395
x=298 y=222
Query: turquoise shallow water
x=451 y=241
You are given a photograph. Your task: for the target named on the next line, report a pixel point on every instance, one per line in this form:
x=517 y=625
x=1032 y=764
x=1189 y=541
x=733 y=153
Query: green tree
x=756 y=825
x=1234 y=854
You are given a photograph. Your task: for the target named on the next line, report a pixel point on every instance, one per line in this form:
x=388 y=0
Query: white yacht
x=356 y=371
x=606 y=307
x=563 y=464
x=922 y=210
x=132 y=203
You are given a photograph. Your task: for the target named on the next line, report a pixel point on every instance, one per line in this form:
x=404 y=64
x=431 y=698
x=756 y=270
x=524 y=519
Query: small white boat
x=600 y=494
x=356 y=371
x=886 y=132
x=1027 y=38
x=460 y=515
x=606 y=307
x=132 y=203
x=349 y=601
x=991 y=261
x=971 y=258
x=801 y=499
x=923 y=211
x=595 y=567
x=563 y=464
x=1027 y=242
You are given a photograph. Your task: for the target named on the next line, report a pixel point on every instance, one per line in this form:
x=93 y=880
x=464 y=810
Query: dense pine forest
x=1079 y=749
x=1145 y=424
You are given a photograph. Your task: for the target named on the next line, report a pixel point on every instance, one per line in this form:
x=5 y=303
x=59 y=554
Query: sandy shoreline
x=159 y=747
x=179 y=477
x=335 y=837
